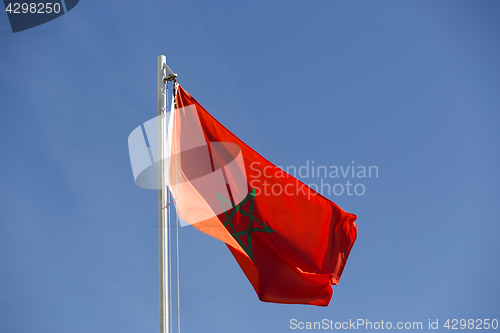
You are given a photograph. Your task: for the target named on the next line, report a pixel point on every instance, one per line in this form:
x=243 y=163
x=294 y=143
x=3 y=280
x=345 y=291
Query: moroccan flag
x=291 y=242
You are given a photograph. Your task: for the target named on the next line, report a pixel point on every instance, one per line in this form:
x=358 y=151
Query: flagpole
x=165 y=74
x=162 y=204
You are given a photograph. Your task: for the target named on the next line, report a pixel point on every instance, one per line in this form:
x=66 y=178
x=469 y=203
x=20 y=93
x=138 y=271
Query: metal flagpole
x=164 y=75
x=162 y=202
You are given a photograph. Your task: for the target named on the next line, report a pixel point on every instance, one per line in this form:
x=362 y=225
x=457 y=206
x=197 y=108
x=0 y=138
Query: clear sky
x=411 y=87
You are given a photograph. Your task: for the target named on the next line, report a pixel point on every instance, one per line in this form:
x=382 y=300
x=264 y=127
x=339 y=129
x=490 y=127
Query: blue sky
x=408 y=86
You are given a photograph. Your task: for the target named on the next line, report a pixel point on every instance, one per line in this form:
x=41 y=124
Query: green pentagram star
x=249 y=214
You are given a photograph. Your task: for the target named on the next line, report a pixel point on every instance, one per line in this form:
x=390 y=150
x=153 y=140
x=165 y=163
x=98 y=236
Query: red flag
x=291 y=242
